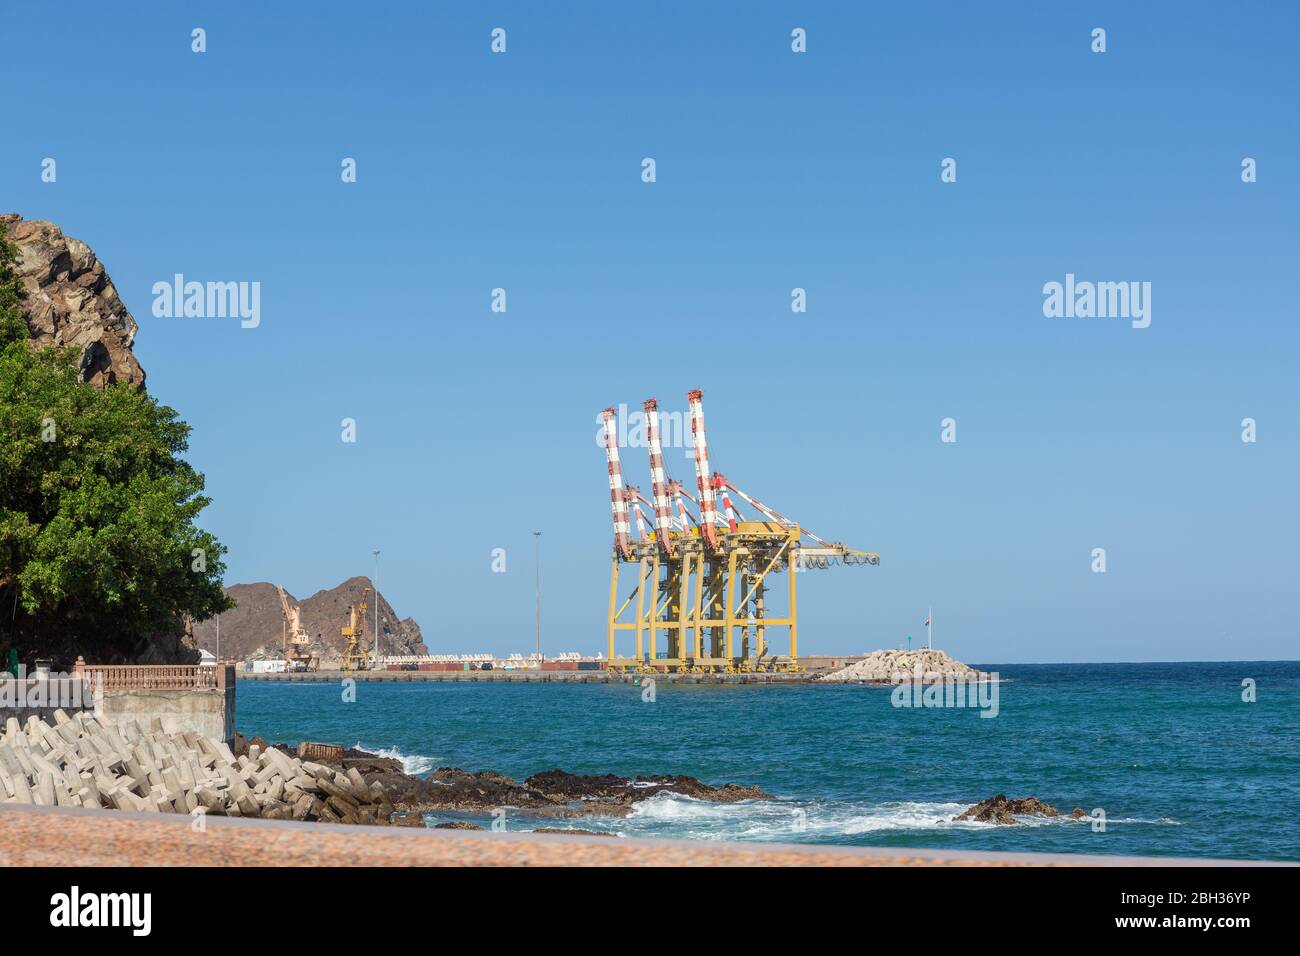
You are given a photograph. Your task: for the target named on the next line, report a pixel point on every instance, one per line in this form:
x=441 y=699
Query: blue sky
x=774 y=171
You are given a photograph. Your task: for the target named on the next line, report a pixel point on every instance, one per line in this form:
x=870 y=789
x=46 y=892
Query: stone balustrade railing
x=112 y=677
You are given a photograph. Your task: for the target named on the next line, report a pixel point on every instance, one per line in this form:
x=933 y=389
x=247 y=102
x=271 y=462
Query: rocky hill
x=254 y=628
x=72 y=301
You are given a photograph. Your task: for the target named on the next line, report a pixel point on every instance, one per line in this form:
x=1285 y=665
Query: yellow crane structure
x=297 y=643
x=703 y=580
x=355 y=654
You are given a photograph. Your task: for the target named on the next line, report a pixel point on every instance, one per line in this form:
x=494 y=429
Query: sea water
x=1176 y=758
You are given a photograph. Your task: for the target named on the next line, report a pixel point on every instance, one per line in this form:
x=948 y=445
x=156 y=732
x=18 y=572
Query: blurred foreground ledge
x=50 y=836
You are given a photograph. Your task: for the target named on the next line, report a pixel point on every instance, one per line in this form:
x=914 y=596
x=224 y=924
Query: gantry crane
x=703 y=580
x=297 y=644
x=355 y=654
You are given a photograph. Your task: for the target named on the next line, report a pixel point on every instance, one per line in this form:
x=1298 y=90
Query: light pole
x=375 y=552
x=537 y=576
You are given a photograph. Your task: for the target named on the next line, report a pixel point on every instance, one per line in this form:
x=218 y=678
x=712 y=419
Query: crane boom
x=296 y=640
x=659 y=483
x=703 y=479
x=704 y=584
x=617 y=496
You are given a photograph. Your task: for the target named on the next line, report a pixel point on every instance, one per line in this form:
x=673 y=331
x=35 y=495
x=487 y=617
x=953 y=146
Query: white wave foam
x=667 y=814
x=674 y=808
x=1160 y=821
x=910 y=815
x=413 y=764
x=787 y=819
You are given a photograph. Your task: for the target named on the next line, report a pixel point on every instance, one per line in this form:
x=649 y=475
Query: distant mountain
x=255 y=627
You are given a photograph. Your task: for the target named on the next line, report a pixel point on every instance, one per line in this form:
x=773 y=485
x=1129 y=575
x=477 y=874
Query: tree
x=99 y=553
x=12 y=323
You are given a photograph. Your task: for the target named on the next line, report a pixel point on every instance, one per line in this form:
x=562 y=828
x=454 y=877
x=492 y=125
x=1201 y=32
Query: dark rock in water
x=690 y=787
x=366 y=763
x=572 y=786
x=608 y=787
x=449 y=788
x=572 y=832
x=457 y=825
x=1078 y=813
x=999 y=809
x=553 y=793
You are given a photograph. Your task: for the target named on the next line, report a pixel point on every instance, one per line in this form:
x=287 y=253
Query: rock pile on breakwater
x=880 y=667
x=80 y=762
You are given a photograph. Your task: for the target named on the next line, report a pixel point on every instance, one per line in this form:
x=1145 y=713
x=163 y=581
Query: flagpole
x=929 y=629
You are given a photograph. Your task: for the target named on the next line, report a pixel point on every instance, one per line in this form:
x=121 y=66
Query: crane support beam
x=706 y=584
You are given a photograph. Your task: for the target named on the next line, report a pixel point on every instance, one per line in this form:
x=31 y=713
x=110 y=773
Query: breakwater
x=521 y=677
x=811 y=667
x=78 y=761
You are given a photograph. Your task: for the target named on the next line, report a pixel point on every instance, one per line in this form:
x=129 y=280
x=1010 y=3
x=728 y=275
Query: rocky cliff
x=72 y=301
x=254 y=628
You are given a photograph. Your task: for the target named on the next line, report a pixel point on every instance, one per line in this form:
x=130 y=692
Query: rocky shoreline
x=549 y=794
x=562 y=795
x=81 y=762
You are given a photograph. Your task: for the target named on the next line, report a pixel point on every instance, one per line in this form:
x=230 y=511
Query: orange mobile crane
x=297 y=644
x=355 y=654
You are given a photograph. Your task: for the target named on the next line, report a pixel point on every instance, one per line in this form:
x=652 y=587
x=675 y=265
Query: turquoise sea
x=1178 y=762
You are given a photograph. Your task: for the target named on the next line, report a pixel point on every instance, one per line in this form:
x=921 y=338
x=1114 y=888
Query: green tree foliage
x=99 y=553
x=12 y=324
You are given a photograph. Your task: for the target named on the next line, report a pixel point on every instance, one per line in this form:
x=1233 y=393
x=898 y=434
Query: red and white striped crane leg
x=708 y=508
x=617 y=497
x=659 y=483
